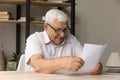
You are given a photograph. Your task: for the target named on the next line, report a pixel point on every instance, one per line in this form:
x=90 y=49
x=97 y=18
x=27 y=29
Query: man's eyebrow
x=62 y=29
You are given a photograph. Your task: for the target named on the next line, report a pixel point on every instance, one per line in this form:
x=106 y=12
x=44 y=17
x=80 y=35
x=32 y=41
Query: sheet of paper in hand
x=91 y=54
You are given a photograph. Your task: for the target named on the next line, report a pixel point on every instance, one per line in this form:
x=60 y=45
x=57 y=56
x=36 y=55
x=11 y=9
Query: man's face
x=56 y=31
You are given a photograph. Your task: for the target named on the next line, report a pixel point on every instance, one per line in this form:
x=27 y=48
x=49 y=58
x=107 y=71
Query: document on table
x=91 y=54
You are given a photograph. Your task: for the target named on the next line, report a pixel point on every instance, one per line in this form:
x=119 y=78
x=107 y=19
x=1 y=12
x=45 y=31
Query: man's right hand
x=71 y=63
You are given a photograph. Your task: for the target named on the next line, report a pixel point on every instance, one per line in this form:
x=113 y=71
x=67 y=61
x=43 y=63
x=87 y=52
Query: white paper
x=91 y=55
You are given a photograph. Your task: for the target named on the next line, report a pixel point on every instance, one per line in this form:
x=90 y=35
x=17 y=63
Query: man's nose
x=62 y=34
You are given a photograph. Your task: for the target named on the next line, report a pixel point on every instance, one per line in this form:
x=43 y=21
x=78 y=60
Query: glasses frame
x=57 y=31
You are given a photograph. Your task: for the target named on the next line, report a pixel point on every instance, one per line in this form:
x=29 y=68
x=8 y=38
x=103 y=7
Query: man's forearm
x=42 y=65
x=47 y=65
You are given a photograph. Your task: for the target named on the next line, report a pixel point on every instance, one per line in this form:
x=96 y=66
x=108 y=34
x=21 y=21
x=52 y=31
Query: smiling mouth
x=60 y=38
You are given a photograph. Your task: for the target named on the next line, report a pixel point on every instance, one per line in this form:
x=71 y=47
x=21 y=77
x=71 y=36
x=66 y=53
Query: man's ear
x=45 y=26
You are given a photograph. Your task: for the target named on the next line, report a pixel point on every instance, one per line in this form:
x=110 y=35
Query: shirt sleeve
x=33 y=46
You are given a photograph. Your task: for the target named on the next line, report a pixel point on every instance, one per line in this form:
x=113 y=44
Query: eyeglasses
x=60 y=31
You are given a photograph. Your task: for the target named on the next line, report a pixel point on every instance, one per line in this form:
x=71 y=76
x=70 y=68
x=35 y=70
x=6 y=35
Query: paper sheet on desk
x=91 y=55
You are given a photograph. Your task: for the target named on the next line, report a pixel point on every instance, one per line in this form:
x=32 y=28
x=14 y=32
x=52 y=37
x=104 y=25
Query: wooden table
x=15 y=75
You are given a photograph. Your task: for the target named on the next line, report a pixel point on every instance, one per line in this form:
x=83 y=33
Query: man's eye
x=65 y=29
x=58 y=30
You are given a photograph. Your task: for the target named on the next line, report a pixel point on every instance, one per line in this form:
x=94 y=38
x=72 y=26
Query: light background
x=97 y=21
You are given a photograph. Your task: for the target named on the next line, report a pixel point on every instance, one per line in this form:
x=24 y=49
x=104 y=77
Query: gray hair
x=55 y=14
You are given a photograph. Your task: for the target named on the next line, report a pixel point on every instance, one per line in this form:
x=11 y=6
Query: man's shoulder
x=40 y=37
x=35 y=36
x=71 y=37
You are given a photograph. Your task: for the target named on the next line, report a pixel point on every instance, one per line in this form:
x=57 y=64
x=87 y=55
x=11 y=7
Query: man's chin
x=59 y=42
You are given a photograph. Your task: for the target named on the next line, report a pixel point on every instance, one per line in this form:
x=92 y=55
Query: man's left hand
x=98 y=69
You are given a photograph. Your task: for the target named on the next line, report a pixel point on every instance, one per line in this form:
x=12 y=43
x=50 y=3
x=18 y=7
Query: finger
x=75 y=69
x=77 y=65
x=97 y=70
x=80 y=61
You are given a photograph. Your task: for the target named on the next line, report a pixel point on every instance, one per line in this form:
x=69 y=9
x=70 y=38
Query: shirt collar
x=46 y=37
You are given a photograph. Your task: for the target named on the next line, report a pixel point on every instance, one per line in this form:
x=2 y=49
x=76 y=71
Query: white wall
x=97 y=21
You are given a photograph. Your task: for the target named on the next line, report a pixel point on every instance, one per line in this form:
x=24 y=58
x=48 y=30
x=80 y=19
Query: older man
x=55 y=48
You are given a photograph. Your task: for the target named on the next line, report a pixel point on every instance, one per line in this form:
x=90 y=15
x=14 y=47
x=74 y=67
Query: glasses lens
x=64 y=31
x=67 y=30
